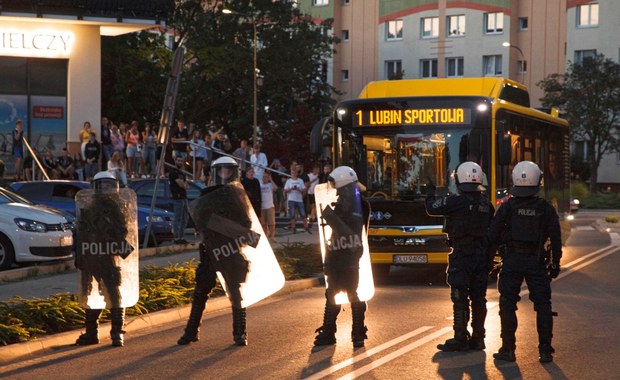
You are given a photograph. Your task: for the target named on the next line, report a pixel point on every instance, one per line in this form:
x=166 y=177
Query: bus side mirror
x=504 y=149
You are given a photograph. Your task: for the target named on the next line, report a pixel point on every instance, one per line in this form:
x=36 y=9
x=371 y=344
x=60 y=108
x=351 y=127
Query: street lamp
x=508 y=44
x=255 y=72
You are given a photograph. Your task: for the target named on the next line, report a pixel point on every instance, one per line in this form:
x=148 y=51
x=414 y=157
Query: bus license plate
x=410 y=259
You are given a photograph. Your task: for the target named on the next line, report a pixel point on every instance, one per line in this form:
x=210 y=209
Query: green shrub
x=602 y=201
x=611 y=219
x=578 y=190
x=160 y=288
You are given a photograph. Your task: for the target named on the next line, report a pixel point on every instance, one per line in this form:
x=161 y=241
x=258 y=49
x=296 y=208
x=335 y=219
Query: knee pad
x=459 y=296
x=506 y=304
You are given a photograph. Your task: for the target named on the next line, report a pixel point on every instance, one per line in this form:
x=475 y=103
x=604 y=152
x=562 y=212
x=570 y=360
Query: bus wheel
x=380 y=271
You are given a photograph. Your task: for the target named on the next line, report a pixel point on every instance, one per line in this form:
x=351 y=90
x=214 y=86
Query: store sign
x=36 y=43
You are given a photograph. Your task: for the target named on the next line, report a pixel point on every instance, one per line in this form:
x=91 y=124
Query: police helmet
x=526 y=177
x=343 y=176
x=469 y=177
x=224 y=170
x=105 y=181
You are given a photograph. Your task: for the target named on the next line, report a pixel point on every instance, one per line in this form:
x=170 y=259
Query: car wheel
x=7 y=255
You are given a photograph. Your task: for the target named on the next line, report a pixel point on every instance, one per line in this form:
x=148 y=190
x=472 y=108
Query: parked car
x=60 y=194
x=144 y=190
x=31 y=233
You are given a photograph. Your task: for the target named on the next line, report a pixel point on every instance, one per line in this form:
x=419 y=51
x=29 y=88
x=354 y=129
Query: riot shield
x=236 y=246
x=344 y=243
x=107 y=248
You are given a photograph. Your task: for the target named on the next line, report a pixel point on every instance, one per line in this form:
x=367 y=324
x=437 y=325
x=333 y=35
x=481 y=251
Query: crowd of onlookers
x=131 y=150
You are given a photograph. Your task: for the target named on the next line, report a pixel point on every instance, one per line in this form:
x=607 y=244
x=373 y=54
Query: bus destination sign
x=425 y=116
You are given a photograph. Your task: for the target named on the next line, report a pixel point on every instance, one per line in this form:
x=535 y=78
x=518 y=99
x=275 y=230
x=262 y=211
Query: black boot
x=358 y=333
x=327 y=333
x=461 y=336
x=506 y=354
x=240 y=334
x=91 y=336
x=478 y=316
x=544 y=325
x=117 y=319
x=192 y=329
x=545 y=352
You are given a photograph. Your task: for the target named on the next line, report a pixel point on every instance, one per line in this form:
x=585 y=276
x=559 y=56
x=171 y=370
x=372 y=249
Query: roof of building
x=90 y=10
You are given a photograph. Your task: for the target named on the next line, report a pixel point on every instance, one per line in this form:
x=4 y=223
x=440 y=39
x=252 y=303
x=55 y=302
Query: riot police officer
x=106 y=255
x=221 y=199
x=347 y=218
x=468 y=215
x=524 y=224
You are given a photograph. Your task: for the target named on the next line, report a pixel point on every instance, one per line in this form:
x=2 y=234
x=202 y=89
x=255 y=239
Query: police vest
x=526 y=220
x=472 y=221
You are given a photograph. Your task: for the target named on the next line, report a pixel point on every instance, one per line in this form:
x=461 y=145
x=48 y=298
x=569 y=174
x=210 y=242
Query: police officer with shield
x=221 y=248
x=525 y=224
x=347 y=218
x=106 y=256
x=467 y=217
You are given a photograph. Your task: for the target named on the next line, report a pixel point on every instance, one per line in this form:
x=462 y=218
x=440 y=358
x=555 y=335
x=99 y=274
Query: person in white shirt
x=259 y=161
x=268 y=210
x=295 y=188
x=313 y=180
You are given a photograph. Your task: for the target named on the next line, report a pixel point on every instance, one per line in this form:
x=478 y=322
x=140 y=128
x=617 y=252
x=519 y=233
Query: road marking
x=397 y=353
x=584 y=228
x=368 y=353
x=570 y=267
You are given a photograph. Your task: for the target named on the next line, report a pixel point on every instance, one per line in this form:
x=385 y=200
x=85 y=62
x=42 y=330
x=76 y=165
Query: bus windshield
x=400 y=166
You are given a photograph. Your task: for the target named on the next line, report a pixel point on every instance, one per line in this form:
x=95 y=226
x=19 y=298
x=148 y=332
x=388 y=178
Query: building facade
x=524 y=40
x=50 y=66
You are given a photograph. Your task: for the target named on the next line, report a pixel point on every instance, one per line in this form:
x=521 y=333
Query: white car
x=30 y=233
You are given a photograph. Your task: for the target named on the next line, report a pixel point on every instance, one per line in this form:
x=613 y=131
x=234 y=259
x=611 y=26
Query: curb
x=67 y=265
x=25 y=350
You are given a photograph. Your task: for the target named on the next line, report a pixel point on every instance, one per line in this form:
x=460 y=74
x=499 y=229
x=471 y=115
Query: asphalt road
x=407 y=318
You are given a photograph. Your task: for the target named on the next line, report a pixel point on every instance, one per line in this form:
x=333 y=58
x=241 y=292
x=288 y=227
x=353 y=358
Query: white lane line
x=368 y=353
x=411 y=346
x=579 y=263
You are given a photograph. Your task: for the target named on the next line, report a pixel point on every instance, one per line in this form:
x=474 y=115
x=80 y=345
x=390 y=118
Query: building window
x=345 y=75
x=320 y=2
x=428 y=68
x=587 y=15
x=580 y=55
x=430 y=27
x=456 y=26
x=521 y=67
x=394 y=30
x=345 y=35
x=394 y=69
x=494 y=23
x=322 y=71
x=491 y=65
x=523 y=25
x=455 y=67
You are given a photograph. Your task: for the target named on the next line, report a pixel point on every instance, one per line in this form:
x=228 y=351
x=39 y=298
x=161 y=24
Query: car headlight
x=156 y=219
x=30 y=225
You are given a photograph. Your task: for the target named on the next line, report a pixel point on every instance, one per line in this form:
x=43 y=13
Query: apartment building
x=524 y=40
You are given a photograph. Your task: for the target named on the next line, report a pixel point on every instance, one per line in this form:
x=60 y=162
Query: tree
x=217 y=84
x=588 y=94
x=134 y=71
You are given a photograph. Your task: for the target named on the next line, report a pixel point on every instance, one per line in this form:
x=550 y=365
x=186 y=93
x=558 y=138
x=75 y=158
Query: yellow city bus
x=399 y=135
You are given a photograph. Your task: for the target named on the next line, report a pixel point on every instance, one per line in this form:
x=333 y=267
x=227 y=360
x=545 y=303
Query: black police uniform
x=342 y=264
x=234 y=268
x=524 y=224
x=467 y=218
